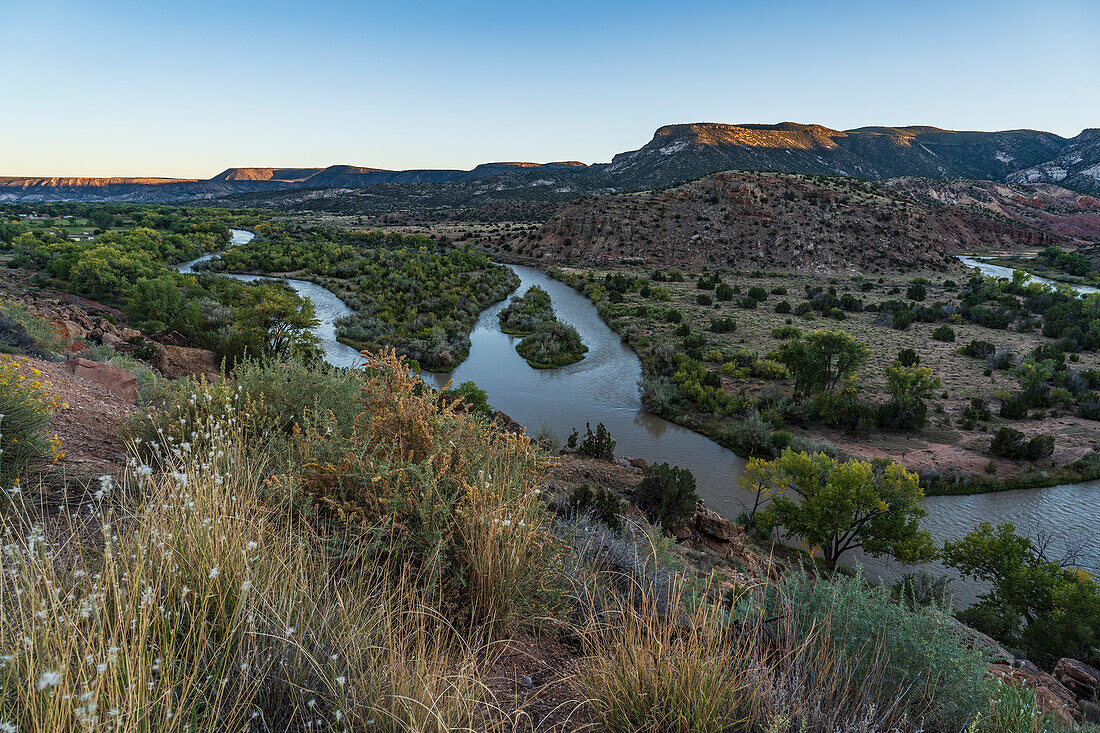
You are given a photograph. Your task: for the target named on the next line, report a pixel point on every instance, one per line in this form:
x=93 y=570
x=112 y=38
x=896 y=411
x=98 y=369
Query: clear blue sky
x=188 y=88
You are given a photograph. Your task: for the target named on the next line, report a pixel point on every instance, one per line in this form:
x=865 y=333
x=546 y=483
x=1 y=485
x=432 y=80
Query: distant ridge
x=676 y=153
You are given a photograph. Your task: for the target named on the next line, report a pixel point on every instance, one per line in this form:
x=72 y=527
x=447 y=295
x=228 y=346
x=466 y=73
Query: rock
x=118 y=381
x=1051 y=696
x=129 y=334
x=638 y=463
x=526 y=681
x=74 y=331
x=975 y=639
x=1083 y=679
x=718 y=528
x=110 y=339
x=1092 y=711
x=182 y=361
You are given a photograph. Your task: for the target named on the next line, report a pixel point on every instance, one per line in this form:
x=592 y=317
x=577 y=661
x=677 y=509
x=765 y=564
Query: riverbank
x=740 y=396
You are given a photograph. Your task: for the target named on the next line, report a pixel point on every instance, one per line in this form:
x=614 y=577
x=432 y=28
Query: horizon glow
x=186 y=90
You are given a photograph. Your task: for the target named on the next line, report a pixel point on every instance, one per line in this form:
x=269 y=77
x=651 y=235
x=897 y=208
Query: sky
x=189 y=88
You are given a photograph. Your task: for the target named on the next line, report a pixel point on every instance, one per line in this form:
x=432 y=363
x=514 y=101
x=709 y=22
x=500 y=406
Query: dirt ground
x=90 y=428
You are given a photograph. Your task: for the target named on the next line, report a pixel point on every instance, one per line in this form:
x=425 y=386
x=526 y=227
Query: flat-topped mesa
x=782 y=135
x=266 y=174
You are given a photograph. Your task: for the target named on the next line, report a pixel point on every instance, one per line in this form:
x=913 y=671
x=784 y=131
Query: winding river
x=603 y=387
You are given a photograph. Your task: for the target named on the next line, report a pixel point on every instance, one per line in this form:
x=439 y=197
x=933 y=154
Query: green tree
x=1043 y=603
x=909 y=387
x=667 y=495
x=821 y=360
x=273 y=320
x=154 y=299
x=842 y=505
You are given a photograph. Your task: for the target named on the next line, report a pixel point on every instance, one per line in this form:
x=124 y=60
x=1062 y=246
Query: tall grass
x=789 y=666
x=203 y=607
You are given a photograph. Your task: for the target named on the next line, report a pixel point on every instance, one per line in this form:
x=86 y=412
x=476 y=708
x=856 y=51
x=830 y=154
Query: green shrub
x=598 y=444
x=722 y=325
x=913 y=651
x=783 y=306
x=474 y=398
x=602 y=504
x=1014 y=407
x=908 y=358
x=1011 y=443
x=26 y=407
x=978 y=349
x=667 y=495
x=944 y=333
x=786 y=332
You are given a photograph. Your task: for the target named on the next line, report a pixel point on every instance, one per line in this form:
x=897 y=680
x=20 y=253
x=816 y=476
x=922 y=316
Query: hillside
x=1045 y=206
x=774 y=221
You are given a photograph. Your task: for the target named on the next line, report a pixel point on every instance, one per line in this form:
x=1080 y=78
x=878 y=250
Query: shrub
x=673 y=316
x=603 y=505
x=429 y=488
x=907 y=657
x=598 y=444
x=703 y=299
x=916 y=291
x=667 y=495
x=757 y=293
x=209 y=606
x=944 y=333
x=783 y=307
x=1011 y=443
x=786 y=332
x=474 y=398
x=978 y=349
x=753 y=434
x=26 y=407
x=908 y=358
x=723 y=292
x=1014 y=407
x=722 y=325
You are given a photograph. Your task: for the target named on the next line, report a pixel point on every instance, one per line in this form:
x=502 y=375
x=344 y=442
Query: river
x=603 y=387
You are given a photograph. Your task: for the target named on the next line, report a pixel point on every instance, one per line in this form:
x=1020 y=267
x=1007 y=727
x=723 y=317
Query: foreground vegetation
x=547 y=342
x=299 y=547
x=926 y=373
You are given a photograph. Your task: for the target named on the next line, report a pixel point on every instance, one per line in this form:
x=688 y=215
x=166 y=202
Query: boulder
x=120 y=382
x=638 y=463
x=109 y=339
x=72 y=330
x=129 y=334
x=974 y=639
x=182 y=361
x=1051 y=696
x=1083 y=679
x=718 y=528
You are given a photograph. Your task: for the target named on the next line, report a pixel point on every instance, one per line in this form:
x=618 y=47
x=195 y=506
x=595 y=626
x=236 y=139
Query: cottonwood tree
x=1044 y=603
x=844 y=505
x=821 y=360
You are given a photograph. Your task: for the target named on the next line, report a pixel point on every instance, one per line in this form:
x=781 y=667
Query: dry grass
x=205 y=608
